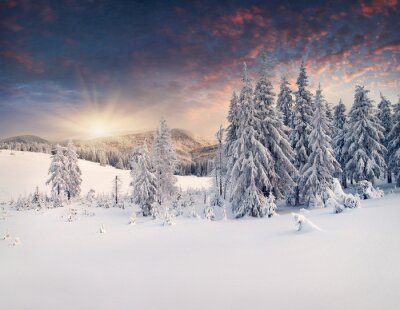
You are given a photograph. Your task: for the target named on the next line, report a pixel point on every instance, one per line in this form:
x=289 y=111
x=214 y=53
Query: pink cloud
x=369 y=8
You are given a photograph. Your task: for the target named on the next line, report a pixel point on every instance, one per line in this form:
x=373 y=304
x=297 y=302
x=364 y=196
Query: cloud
x=369 y=8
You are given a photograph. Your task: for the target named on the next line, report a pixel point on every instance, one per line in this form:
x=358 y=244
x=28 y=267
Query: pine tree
x=143 y=180
x=363 y=149
x=317 y=173
x=58 y=174
x=254 y=162
x=386 y=118
x=302 y=120
x=271 y=131
x=164 y=161
x=285 y=102
x=73 y=171
x=394 y=145
x=339 y=131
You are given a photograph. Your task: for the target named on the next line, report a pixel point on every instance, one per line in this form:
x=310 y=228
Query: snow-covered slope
x=22 y=172
x=350 y=262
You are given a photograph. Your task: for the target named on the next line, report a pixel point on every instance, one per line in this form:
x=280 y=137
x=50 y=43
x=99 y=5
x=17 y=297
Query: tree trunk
x=389 y=176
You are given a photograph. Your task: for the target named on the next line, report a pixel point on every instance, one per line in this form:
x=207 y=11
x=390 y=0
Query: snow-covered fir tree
x=285 y=102
x=301 y=127
x=254 y=162
x=219 y=165
x=302 y=120
x=317 y=174
x=339 y=131
x=73 y=172
x=164 y=162
x=394 y=145
x=58 y=174
x=143 y=180
x=271 y=133
x=363 y=149
x=231 y=137
x=385 y=116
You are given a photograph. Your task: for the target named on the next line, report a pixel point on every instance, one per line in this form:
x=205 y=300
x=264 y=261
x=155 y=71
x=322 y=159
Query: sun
x=98 y=131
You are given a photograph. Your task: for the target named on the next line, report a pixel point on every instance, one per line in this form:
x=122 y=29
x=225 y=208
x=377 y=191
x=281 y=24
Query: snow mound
x=304 y=224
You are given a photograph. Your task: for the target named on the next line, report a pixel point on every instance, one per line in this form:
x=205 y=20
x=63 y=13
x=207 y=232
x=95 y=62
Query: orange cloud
x=377 y=6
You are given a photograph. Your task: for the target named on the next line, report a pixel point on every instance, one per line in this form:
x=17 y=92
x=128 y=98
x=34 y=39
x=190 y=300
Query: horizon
x=82 y=69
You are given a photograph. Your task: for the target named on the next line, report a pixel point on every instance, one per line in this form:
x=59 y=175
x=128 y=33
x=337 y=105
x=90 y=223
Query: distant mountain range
x=188 y=148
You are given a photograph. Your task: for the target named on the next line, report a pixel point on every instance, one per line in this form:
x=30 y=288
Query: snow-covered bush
x=332 y=203
x=303 y=223
x=132 y=219
x=168 y=218
x=102 y=229
x=270 y=205
x=366 y=191
x=72 y=215
x=352 y=201
x=209 y=213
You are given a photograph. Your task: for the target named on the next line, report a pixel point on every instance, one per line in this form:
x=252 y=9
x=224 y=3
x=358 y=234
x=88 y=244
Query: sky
x=80 y=69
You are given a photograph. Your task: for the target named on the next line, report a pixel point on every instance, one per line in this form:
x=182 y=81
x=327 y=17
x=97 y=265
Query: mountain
x=193 y=153
x=27 y=139
x=184 y=142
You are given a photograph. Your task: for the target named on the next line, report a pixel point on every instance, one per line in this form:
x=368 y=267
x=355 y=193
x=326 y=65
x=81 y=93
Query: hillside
x=27 y=139
x=22 y=172
x=191 y=151
x=183 y=141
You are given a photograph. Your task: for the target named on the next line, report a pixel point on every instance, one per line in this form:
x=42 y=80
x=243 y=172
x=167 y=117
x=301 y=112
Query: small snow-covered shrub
x=366 y=191
x=168 y=218
x=332 y=203
x=337 y=190
x=291 y=200
x=6 y=235
x=352 y=201
x=303 y=223
x=209 y=213
x=270 y=205
x=223 y=214
x=102 y=229
x=132 y=219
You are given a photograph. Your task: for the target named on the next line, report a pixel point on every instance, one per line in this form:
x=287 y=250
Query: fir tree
x=285 y=102
x=219 y=165
x=394 y=145
x=386 y=118
x=302 y=120
x=317 y=173
x=73 y=171
x=164 y=162
x=231 y=137
x=58 y=174
x=143 y=180
x=339 y=131
x=301 y=128
x=363 y=149
x=254 y=162
x=271 y=131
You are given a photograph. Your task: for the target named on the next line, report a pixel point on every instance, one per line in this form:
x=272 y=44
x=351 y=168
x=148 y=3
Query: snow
x=352 y=262
x=22 y=172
